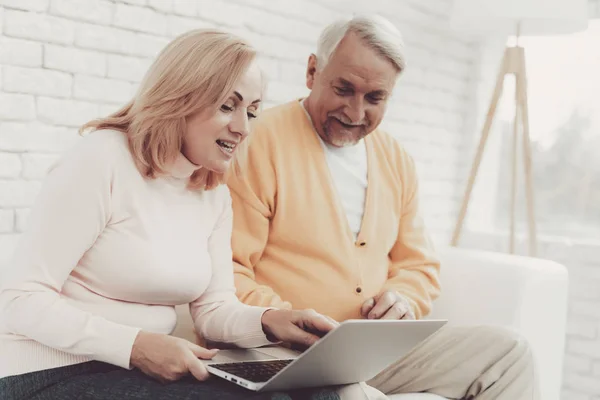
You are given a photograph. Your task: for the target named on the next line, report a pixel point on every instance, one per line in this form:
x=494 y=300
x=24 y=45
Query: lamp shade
x=535 y=17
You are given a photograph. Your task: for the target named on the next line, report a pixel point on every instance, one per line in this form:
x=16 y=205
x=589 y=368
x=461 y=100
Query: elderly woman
x=133 y=221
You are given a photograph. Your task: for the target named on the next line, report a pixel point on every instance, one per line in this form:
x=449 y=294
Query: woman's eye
x=226 y=108
x=251 y=115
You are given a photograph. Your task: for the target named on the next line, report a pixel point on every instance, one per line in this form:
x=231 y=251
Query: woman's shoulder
x=101 y=148
x=219 y=196
x=104 y=142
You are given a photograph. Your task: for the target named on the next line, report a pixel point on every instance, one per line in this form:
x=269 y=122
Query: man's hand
x=387 y=305
x=302 y=328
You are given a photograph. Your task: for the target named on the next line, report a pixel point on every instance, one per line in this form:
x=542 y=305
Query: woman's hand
x=302 y=328
x=168 y=358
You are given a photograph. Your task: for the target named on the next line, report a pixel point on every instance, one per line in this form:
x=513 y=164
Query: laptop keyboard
x=254 y=371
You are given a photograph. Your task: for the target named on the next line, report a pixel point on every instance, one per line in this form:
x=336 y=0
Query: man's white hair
x=377 y=32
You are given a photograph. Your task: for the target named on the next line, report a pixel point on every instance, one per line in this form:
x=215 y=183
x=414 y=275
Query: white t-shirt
x=348 y=169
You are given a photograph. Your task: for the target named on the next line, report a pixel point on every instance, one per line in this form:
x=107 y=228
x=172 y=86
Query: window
x=564 y=114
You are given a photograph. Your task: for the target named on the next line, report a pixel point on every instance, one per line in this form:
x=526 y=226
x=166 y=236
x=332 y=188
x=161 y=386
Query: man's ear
x=311 y=70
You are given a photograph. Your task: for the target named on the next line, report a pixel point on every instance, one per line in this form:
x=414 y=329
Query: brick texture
x=96 y=11
x=7 y=221
x=20 y=52
x=63 y=62
x=71 y=59
x=10 y=165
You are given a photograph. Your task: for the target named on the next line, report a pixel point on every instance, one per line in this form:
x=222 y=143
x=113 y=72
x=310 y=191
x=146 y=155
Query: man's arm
x=414 y=266
x=253 y=190
x=249 y=239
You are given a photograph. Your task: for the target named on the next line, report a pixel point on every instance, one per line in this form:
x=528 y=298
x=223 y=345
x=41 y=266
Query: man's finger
x=409 y=315
x=197 y=369
x=397 y=311
x=382 y=305
x=201 y=352
x=367 y=306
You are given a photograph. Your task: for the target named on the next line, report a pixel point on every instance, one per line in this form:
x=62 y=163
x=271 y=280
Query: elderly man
x=326 y=216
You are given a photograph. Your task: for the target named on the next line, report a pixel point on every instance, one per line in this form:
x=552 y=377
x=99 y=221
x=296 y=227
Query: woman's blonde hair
x=195 y=72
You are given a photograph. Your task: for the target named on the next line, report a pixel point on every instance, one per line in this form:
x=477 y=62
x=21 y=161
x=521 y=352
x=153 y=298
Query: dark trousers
x=100 y=381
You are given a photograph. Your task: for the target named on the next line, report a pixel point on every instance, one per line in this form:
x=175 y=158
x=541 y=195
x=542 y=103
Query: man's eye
x=226 y=108
x=342 y=90
x=374 y=99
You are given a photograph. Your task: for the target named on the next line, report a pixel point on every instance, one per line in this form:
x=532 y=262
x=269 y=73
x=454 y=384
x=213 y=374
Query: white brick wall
x=10 y=165
x=70 y=59
x=20 y=52
x=16 y=106
x=36 y=81
x=64 y=62
x=7 y=221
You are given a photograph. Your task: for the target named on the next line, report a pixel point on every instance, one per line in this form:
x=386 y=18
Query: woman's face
x=211 y=138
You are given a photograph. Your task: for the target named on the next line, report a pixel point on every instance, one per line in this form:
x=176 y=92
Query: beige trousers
x=481 y=363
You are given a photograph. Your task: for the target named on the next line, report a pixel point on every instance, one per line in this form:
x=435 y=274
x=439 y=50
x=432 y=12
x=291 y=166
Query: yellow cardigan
x=292 y=245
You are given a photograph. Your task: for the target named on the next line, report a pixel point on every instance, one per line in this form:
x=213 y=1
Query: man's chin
x=342 y=139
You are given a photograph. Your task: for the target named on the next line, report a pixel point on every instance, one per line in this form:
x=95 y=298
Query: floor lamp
x=516 y=17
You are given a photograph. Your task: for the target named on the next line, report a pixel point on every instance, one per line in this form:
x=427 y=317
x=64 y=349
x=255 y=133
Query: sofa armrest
x=526 y=294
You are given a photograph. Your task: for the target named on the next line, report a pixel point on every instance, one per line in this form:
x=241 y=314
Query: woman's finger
x=197 y=369
x=201 y=352
x=318 y=323
x=300 y=336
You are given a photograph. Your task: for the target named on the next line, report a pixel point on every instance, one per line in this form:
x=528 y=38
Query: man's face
x=349 y=95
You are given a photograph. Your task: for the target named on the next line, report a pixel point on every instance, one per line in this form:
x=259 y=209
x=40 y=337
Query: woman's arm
x=71 y=211
x=218 y=315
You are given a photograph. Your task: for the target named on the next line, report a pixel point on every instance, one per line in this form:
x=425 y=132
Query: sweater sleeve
x=253 y=193
x=218 y=315
x=414 y=267
x=71 y=211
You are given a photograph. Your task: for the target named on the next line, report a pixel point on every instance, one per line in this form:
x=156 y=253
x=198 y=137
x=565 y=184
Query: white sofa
x=525 y=294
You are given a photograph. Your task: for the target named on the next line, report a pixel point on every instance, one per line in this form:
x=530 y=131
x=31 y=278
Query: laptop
x=355 y=351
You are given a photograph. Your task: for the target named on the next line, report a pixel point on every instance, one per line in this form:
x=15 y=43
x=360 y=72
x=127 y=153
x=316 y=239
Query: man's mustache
x=347 y=121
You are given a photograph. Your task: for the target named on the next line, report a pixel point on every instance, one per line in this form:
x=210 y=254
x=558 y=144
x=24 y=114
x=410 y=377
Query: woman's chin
x=219 y=167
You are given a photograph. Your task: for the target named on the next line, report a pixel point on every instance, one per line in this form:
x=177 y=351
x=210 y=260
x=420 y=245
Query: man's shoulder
x=395 y=161
x=390 y=146
x=279 y=118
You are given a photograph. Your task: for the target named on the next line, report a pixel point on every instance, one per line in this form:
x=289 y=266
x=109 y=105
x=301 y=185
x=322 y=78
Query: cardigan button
x=362 y=244
x=358 y=289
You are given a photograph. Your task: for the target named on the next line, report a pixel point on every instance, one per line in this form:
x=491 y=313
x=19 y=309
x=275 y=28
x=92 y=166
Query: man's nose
x=355 y=110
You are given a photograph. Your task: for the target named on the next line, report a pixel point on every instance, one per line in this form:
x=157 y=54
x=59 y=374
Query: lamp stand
x=513 y=62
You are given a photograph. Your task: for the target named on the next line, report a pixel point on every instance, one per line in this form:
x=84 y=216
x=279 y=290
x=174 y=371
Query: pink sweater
x=108 y=254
